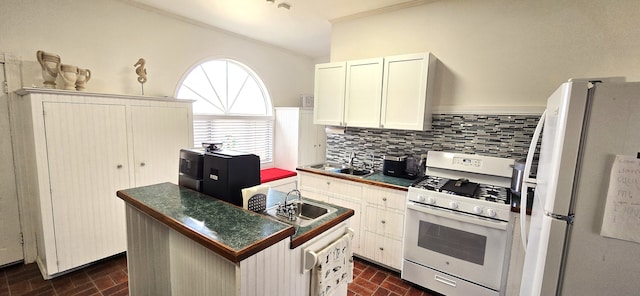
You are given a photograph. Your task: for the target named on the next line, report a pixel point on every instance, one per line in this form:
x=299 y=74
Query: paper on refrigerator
x=622 y=210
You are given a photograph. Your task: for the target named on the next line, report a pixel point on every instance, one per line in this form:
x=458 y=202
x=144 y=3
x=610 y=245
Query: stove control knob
x=477 y=210
x=431 y=200
x=421 y=198
x=453 y=205
x=491 y=212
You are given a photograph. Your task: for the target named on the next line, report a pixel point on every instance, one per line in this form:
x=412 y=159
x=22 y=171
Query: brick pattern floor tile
x=109 y=277
x=372 y=280
x=106 y=277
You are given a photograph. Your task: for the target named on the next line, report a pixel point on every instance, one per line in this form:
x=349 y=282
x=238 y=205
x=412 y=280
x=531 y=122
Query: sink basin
x=307 y=213
x=342 y=169
x=356 y=172
x=336 y=168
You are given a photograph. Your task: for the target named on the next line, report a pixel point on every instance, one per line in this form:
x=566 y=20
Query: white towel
x=334 y=267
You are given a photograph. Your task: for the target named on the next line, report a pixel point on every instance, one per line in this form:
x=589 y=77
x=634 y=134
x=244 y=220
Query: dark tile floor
x=370 y=279
x=109 y=278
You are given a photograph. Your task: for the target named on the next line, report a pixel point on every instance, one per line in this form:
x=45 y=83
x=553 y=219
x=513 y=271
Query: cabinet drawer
x=382 y=249
x=344 y=189
x=384 y=197
x=314 y=195
x=330 y=186
x=311 y=182
x=384 y=222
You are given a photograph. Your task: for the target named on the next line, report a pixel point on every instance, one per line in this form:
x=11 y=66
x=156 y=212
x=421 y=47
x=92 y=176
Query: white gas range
x=457 y=236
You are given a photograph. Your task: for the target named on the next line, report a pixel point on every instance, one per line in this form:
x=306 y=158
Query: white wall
x=108 y=37
x=495 y=53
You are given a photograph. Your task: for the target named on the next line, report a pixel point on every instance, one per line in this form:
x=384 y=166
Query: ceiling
x=305 y=28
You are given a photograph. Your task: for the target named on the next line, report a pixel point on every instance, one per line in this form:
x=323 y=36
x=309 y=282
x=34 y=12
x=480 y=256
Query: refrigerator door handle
x=527 y=181
x=566 y=218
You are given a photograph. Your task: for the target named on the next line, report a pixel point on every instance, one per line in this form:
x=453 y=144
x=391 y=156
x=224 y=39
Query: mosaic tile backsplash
x=505 y=136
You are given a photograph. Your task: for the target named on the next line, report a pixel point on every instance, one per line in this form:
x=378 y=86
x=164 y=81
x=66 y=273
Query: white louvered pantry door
x=158 y=135
x=88 y=163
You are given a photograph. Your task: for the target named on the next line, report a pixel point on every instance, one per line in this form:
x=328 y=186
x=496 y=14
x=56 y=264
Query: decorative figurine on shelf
x=142 y=73
x=49 y=63
x=84 y=75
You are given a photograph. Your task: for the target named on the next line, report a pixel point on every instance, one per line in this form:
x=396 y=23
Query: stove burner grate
x=485 y=191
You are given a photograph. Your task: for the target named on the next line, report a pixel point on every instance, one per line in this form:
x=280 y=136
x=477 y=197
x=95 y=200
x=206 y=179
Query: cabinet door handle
x=381 y=249
x=119 y=166
x=383 y=222
x=142 y=164
x=384 y=199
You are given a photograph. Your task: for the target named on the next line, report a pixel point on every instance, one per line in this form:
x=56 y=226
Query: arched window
x=232 y=107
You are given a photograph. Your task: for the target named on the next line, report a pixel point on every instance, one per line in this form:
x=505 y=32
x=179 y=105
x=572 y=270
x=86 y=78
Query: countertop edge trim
x=298 y=241
x=354 y=179
x=218 y=248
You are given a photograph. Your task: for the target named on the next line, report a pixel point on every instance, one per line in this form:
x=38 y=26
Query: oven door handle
x=458 y=216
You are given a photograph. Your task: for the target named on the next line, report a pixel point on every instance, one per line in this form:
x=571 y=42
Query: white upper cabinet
x=363 y=92
x=329 y=94
x=391 y=92
x=406 y=97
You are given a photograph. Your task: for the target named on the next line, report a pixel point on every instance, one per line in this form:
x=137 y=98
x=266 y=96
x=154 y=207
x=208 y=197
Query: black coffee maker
x=191 y=164
x=226 y=173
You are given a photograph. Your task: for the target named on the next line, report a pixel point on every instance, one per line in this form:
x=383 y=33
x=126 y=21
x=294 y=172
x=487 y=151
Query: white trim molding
x=489 y=110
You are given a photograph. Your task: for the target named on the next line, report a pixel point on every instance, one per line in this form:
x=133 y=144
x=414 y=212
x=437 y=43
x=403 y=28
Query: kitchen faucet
x=373 y=161
x=293 y=191
x=352 y=156
x=289 y=211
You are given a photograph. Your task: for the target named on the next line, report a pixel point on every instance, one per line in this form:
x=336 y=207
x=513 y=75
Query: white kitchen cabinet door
x=297 y=141
x=329 y=86
x=355 y=220
x=159 y=132
x=312 y=140
x=406 y=91
x=88 y=162
x=363 y=93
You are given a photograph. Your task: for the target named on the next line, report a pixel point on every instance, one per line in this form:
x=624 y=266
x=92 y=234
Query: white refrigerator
x=585 y=126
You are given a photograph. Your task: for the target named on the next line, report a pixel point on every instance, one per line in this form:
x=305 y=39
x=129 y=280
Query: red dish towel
x=272 y=174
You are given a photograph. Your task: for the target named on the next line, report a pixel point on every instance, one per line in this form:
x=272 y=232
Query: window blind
x=250 y=134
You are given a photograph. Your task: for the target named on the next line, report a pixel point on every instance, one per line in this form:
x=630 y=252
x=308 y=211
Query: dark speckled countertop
x=228 y=230
x=377 y=178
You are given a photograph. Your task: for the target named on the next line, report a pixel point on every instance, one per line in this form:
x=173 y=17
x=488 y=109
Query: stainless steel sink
x=331 y=167
x=307 y=212
x=342 y=169
x=356 y=172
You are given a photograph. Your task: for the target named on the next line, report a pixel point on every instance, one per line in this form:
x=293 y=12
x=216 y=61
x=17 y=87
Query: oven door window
x=452 y=242
x=458 y=244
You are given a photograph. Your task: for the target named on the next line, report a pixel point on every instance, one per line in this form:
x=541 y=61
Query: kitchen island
x=182 y=242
